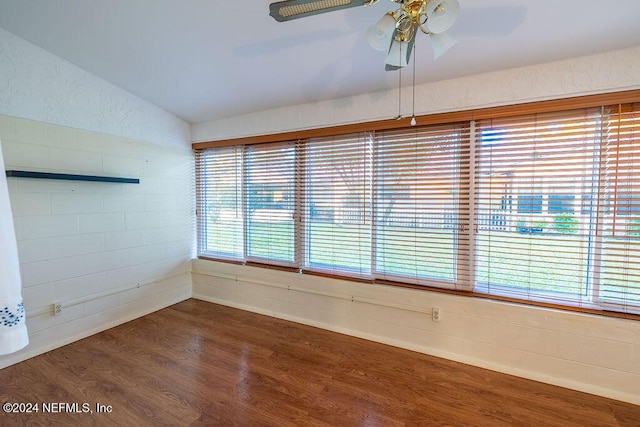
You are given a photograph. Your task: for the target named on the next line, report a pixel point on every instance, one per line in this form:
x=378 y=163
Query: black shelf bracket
x=71 y=177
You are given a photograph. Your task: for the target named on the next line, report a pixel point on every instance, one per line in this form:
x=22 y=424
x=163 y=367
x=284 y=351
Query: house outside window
x=529 y=203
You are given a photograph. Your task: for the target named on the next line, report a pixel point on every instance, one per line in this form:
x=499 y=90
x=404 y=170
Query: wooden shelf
x=71 y=177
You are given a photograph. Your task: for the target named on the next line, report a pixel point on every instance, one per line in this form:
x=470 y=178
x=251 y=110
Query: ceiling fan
x=395 y=32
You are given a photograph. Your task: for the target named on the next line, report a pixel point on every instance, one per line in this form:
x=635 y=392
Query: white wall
x=612 y=71
x=108 y=252
x=590 y=353
x=37 y=85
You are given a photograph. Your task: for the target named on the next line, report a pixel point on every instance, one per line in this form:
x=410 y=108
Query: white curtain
x=13 y=329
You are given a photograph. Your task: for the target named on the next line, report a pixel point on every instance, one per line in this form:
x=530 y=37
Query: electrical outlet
x=57 y=308
x=435 y=314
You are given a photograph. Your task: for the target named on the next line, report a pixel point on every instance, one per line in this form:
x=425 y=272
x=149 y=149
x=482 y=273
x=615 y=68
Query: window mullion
x=299 y=194
x=463 y=209
x=600 y=200
x=201 y=182
x=374 y=201
x=245 y=206
x=472 y=226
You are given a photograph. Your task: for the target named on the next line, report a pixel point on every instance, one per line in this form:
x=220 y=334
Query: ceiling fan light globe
x=441 y=43
x=379 y=35
x=441 y=15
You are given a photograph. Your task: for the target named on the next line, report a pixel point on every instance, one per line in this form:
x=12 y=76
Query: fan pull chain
x=413 y=112
x=399 y=116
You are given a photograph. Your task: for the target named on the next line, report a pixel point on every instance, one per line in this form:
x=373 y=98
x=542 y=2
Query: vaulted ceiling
x=205 y=60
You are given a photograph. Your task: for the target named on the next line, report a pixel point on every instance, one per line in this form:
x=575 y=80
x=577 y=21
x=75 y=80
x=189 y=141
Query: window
x=418 y=214
x=619 y=285
x=270 y=203
x=539 y=257
x=338 y=205
x=541 y=207
x=310 y=205
x=220 y=203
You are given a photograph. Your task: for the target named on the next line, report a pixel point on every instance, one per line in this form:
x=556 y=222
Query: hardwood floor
x=202 y=364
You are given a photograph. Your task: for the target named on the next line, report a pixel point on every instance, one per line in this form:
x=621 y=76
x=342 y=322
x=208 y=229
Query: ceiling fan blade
x=399 y=53
x=293 y=9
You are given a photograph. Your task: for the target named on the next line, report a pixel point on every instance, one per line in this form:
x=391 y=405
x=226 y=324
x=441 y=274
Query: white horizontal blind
x=620 y=277
x=536 y=203
x=220 y=213
x=421 y=205
x=554 y=200
x=337 y=206
x=270 y=207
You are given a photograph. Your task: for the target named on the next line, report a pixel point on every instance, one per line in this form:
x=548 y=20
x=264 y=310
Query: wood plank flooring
x=203 y=364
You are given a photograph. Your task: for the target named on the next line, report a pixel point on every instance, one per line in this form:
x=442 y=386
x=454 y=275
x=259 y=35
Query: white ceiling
x=205 y=60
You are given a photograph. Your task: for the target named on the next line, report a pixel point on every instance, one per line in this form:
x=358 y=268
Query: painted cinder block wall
x=108 y=252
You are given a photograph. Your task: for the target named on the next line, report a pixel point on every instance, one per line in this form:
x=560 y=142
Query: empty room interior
x=320 y=212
